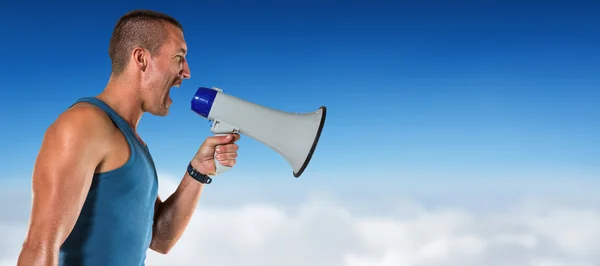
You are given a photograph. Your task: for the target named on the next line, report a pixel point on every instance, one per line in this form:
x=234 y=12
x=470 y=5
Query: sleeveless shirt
x=115 y=224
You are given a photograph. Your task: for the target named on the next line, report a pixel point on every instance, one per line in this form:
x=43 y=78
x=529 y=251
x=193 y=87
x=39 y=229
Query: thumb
x=218 y=140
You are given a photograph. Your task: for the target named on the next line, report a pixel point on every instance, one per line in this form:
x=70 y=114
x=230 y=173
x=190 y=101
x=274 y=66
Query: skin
x=83 y=140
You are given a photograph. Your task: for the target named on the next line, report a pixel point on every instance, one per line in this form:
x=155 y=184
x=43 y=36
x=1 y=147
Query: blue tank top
x=115 y=224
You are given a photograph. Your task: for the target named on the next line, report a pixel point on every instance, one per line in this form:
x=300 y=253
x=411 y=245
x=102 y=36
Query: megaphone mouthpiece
x=294 y=136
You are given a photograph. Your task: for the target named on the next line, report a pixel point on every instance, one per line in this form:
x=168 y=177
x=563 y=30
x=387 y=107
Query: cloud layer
x=326 y=230
x=323 y=231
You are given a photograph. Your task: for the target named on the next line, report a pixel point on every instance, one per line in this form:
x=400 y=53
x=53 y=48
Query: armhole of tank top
x=130 y=161
x=132 y=150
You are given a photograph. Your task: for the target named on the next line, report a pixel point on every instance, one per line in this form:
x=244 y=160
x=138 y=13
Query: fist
x=223 y=148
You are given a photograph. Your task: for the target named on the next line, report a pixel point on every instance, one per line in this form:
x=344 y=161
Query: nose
x=185 y=73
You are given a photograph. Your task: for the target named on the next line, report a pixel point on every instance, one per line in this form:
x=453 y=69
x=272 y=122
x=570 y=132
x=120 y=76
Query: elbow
x=161 y=247
x=163 y=251
x=35 y=253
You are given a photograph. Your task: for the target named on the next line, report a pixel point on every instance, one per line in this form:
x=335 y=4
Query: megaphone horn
x=294 y=136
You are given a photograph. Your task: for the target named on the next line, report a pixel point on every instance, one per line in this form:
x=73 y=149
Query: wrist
x=197 y=175
x=199 y=166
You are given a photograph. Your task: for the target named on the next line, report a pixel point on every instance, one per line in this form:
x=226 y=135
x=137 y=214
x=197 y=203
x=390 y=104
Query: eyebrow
x=183 y=50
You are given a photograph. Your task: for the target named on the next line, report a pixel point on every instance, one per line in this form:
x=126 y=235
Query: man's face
x=166 y=69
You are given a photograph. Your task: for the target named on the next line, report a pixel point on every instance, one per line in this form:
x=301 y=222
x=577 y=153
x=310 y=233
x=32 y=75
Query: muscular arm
x=174 y=214
x=72 y=148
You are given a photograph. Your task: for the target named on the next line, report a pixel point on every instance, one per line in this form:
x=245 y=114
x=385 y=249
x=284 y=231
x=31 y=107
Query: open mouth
x=177 y=83
x=174 y=85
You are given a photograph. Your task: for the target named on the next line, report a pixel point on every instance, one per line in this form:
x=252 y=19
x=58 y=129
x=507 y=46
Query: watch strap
x=200 y=177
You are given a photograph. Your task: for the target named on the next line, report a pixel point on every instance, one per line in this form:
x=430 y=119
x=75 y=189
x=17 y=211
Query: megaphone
x=293 y=135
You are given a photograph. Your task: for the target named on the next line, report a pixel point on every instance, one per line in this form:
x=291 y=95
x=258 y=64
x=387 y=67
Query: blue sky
x=465 y=133
x=413 y=90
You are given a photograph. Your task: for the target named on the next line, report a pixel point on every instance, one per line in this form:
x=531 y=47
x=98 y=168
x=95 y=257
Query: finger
x=229 y=163
x=227 y=156
x=227 y=148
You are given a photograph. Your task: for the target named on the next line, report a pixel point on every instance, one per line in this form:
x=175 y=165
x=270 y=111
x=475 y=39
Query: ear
x=140 y=58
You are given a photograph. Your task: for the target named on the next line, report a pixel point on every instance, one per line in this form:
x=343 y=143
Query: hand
x=204 y=160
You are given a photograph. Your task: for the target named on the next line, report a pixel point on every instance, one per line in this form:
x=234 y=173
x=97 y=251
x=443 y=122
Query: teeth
x=176 y=85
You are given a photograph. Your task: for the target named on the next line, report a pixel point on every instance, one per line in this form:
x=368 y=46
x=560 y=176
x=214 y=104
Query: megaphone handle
x=221 y=129
x=219 y=168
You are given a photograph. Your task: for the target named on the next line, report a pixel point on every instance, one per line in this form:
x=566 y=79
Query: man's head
x=148 y=48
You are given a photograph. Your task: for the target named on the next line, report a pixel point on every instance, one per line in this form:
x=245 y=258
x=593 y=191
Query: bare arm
x=71 y=150
x=174 y=214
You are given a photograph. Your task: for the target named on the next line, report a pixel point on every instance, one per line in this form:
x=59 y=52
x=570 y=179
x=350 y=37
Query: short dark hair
x=144 y=28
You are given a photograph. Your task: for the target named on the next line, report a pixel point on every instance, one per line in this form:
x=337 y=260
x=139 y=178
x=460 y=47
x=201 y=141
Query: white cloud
x=325 y=230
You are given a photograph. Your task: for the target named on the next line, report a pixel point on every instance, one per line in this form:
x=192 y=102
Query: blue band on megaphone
x=203 y=101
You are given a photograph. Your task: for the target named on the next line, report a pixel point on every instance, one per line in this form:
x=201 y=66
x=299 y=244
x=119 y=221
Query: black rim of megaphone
x=314 y=145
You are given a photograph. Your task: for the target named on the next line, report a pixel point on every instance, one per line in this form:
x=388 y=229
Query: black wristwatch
x=200 y=177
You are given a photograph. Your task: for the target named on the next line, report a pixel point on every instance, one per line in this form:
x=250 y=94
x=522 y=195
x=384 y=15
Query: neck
x=121 y=95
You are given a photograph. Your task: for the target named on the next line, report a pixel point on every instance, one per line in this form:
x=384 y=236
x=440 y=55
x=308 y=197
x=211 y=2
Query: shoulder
x=83 y=117
x=81 y=126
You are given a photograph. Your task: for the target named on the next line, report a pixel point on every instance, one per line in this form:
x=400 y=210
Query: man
x=95 y=198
